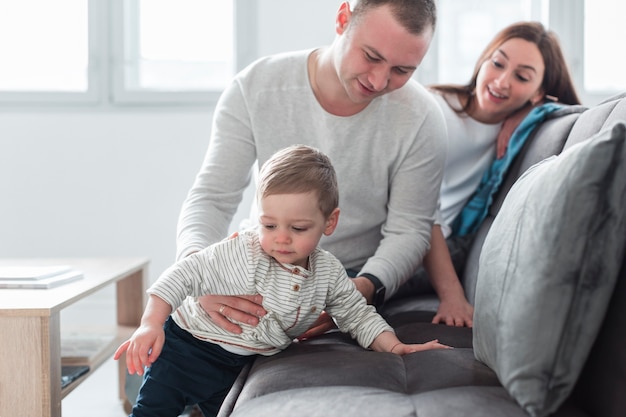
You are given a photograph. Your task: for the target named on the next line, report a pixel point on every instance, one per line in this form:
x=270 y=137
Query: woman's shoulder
x=446 y=99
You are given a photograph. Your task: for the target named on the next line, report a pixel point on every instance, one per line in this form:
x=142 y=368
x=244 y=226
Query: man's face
x=376 y=55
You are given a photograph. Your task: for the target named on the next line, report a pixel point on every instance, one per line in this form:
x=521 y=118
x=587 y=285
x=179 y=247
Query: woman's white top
x=471 y=150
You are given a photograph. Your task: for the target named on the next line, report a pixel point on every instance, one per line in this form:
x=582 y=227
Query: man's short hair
x=416 y=16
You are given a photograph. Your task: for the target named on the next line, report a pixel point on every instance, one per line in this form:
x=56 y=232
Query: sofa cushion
x=341 y=401
x=332 y=401
x=547 y=270
x=334 y=360
x=315 y=363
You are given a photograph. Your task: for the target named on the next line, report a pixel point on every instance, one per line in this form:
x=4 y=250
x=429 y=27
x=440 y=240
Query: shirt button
x=296 y=287
x=313 y=309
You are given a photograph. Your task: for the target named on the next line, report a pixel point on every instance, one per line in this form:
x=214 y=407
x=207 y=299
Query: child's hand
x=404 y=349
x=142 y=349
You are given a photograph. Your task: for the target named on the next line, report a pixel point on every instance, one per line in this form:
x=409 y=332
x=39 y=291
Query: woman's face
x=508 y=80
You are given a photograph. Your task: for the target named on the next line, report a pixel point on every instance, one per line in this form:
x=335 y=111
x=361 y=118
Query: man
x=354 y=100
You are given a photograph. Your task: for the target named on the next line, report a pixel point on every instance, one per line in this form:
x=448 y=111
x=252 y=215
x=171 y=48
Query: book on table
x=84 y=348
x=70 y=373
x=37 y=277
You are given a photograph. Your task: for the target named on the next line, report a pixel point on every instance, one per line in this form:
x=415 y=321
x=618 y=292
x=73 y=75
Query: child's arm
x=389 y=342
x=144 y=346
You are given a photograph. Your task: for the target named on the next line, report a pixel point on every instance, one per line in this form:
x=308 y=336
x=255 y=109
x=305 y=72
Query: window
x=172 y=51
x=180 y=52
x=45 y=51
x=64 y=49
x=122 y=51
x=589 y=31
x=463 y=30
x=604 y=65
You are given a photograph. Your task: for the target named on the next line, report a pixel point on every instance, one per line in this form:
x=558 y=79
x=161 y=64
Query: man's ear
x=331 y=222
x=343 y=17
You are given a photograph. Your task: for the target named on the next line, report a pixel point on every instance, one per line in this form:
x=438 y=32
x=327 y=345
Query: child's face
x=291 y=226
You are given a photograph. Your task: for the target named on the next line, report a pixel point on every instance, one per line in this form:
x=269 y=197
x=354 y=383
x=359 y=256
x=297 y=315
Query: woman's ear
x=537 y=98
x=343 y=17
x=331 y=222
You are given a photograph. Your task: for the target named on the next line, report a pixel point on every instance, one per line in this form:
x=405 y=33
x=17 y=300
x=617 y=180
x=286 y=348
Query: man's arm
x=325 y=323
x=214 y=198
x=365 y=287
x=224 y=175
x=412 y=198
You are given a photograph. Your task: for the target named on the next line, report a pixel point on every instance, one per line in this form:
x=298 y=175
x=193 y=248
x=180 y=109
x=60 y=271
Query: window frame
x=105 y=76
x=245 y=12
x=105 y=87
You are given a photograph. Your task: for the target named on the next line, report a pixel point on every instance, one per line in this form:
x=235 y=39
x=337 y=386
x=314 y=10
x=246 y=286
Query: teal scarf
x=477 y=207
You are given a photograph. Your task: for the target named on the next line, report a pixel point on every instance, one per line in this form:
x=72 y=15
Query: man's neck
x=327 y=87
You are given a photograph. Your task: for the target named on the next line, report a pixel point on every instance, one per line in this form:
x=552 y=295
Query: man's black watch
x=379 y=290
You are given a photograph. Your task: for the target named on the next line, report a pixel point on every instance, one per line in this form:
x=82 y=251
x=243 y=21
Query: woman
x=522 y=67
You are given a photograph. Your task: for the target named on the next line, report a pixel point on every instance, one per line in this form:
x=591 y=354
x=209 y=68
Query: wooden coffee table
x=30 y=331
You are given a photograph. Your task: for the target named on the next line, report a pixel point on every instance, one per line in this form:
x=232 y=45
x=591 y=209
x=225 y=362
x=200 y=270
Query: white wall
x=110 y=182
x=96 y=184
x=286 y=25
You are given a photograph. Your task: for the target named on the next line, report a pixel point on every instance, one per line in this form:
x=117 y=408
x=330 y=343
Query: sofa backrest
x=547 y=140
x=600 y=388
x=563 y=128
x=597 y=118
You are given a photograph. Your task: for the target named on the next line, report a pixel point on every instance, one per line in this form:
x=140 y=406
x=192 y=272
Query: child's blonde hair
x=300 y=169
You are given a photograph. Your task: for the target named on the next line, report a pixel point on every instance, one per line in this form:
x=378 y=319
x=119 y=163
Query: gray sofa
x=332 y=376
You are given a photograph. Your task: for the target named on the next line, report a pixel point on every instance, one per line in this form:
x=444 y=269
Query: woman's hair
x=416 y=16
x=557 y=81
x=300 y=169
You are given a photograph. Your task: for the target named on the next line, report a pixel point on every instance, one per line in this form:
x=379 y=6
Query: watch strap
x=379 y=290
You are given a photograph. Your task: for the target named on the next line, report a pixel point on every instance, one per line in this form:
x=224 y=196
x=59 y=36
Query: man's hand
x=241 y=308
x=325 y=323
